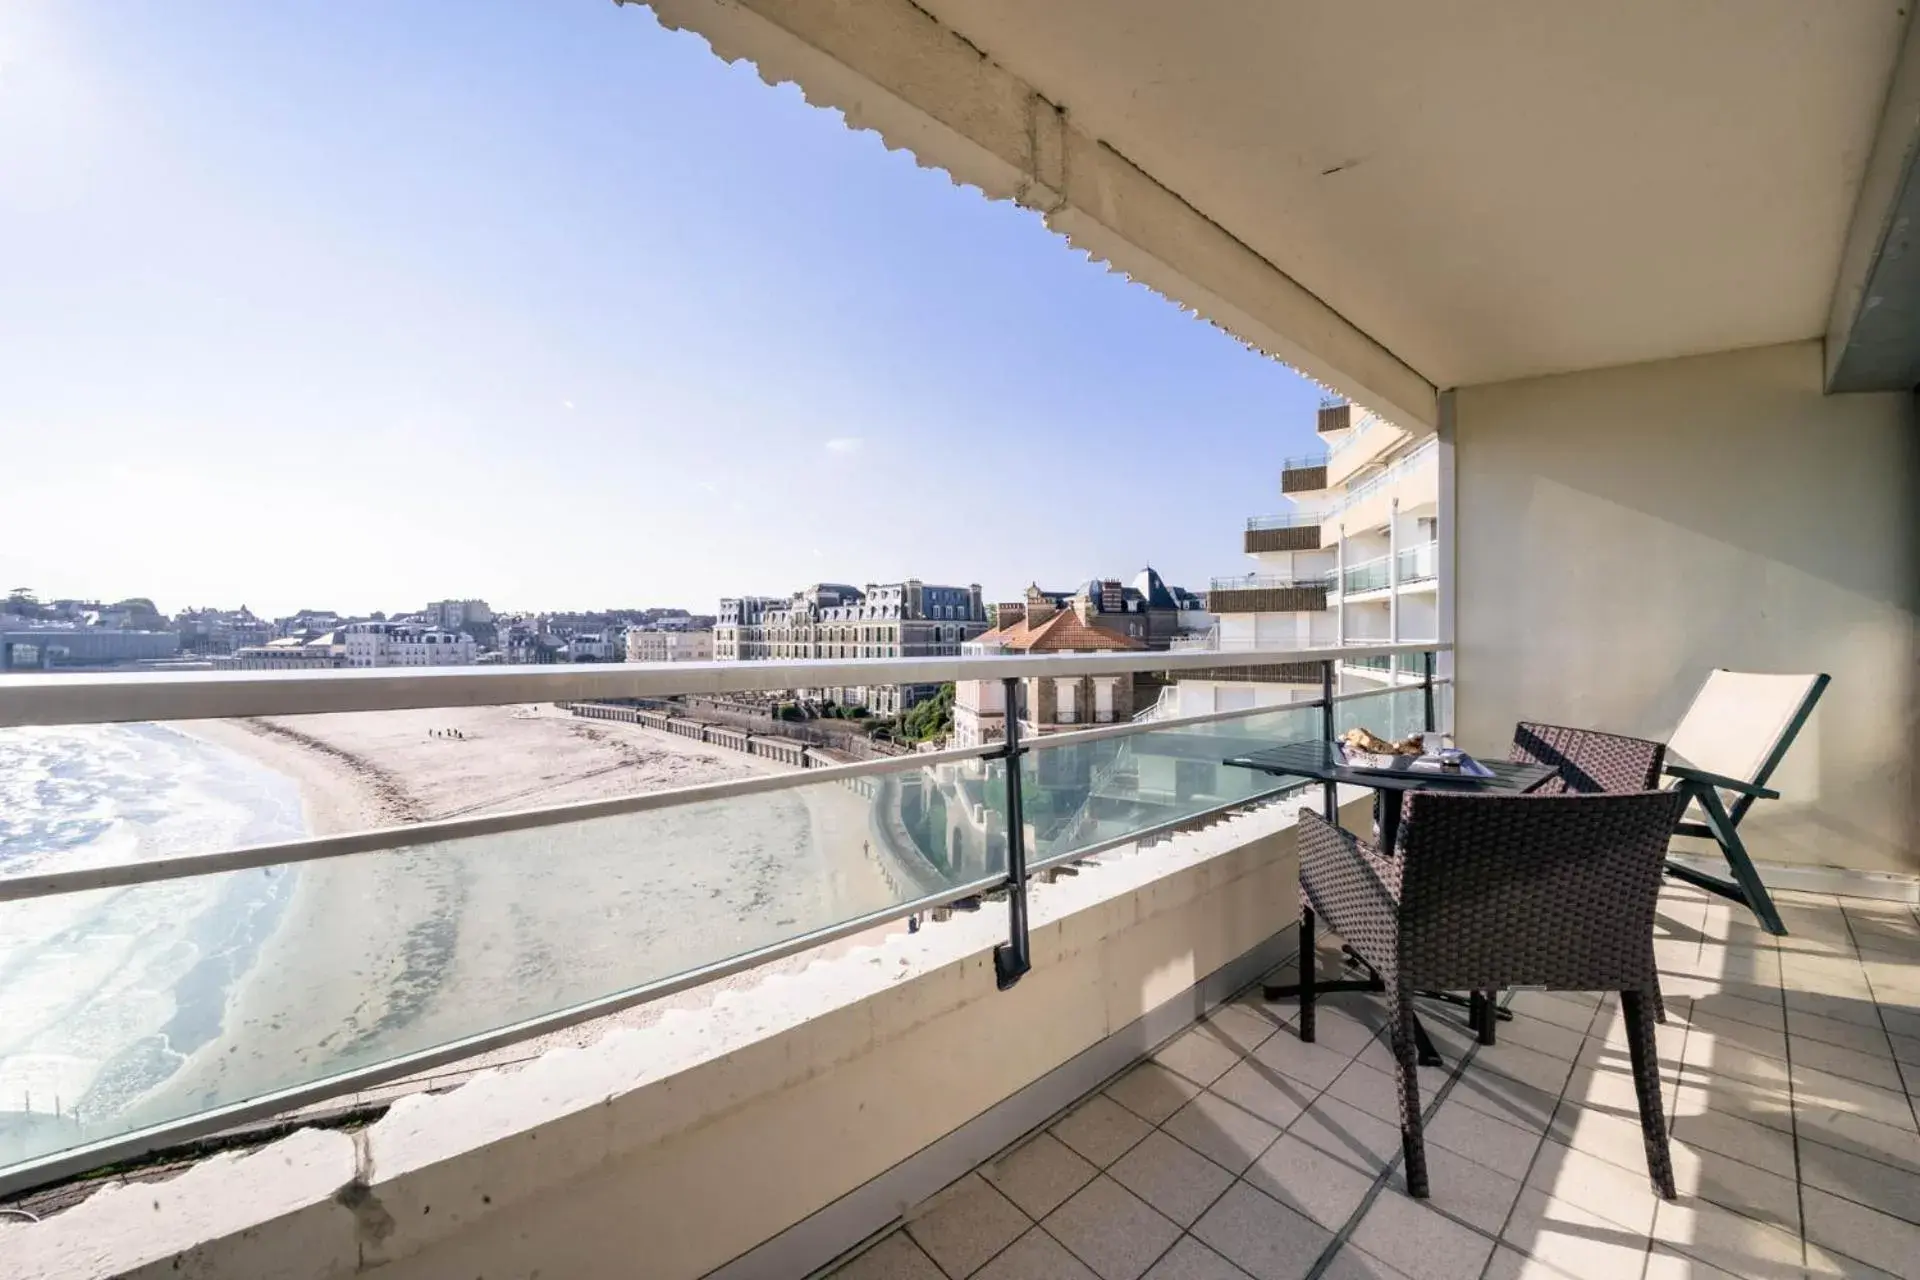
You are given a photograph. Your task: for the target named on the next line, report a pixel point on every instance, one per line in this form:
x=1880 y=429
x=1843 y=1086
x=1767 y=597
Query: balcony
x=1304 y=474
x=1259 y=593
x=1420 y=564
x=1121 y=1095
x=1234 y=1144
x=1368 y=575
x=1370 y=438
x=1292 y=531
x=1412 y=481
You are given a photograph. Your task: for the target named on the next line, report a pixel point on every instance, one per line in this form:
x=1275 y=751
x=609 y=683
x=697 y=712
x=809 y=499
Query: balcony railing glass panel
x=134 y=1007
x=1420 y=563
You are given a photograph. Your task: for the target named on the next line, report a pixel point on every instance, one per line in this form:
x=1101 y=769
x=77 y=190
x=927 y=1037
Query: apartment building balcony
x=871 y=1102
x=1292 y=531
x=1304 y=474
x=1267 y=593
x=908 y=1102
x=1409 y=485
x=1370 y=439
x=1418 y=570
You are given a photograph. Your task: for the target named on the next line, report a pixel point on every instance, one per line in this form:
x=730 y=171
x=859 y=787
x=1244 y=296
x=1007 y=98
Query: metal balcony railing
x=1420 y=457
x=1267 y=582
x=1286 y=520
x=1302 y=461
x=581 y=870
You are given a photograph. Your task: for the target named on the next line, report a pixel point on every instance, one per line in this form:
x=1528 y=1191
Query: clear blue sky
x=355 y=304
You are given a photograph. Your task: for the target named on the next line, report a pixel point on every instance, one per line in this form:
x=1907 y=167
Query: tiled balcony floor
x=1791 y=1069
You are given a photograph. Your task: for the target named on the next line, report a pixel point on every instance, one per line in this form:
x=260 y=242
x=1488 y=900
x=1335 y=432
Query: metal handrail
x=1268 y=581
x=385 y=839
x=1300 y=462
x=134 y=697
x=1411 y=462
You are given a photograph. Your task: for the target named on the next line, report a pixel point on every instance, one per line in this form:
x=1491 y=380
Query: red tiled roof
x=1062 y=633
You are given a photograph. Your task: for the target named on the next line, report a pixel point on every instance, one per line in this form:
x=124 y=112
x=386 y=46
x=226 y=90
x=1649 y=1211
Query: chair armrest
x=1720 y=782
x=1325 y=847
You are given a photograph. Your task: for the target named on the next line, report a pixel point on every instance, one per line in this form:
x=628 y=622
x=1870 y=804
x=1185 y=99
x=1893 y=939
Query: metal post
x=1330 y=800
x=1426 y=689
x=1013 y=957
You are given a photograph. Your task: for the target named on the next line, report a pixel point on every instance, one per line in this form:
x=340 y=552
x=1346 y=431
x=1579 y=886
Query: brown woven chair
x=1494 y=891
x=1587 y=761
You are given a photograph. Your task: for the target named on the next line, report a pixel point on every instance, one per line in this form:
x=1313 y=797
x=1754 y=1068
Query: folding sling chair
x=1735 y=734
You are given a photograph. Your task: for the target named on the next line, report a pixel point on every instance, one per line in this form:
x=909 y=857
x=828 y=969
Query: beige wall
x=1622 y=532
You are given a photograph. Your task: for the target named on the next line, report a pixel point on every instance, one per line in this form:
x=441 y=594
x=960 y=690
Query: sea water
x=104 y=993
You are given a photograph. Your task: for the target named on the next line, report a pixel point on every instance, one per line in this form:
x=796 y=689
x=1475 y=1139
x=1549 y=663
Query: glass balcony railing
x=1418 y=458
x=1268 y=582
x=1368 y=575
x=1286 y=520
x=152 y=1001
x=1420 y=563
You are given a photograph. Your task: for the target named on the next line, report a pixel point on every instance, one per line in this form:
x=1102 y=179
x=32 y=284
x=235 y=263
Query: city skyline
x=482 y=328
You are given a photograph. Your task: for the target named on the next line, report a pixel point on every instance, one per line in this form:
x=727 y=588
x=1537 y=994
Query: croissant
x=1359 y=739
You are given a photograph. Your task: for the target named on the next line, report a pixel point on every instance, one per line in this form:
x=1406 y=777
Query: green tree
x=932 y=718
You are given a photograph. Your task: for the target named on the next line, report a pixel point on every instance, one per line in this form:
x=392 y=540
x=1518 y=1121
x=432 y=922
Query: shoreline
x=383 y=954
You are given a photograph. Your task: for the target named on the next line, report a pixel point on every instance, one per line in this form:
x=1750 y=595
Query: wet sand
x=386 y=954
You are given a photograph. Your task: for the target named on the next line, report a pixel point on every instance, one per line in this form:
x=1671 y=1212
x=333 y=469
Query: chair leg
x=1659 y=1001
x=1308 y=962
x=1646 y=1083
x=1483 y=1019
x=1407 y=1074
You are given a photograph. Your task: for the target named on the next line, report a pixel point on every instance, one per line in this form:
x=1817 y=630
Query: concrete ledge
x=691 y=1143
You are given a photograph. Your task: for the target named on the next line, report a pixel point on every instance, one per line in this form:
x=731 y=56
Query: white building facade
x=648 y=645
x=910 y=619
x=400 y=644
x=1355 y=560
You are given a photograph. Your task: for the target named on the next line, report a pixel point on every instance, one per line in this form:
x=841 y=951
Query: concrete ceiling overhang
x=1392 y=197
x=1873 y=332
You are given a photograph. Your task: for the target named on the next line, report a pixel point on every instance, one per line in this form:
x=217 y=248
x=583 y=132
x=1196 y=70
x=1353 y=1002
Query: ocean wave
x=105 y=993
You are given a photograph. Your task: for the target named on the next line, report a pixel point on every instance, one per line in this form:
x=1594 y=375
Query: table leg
x=1386 y=820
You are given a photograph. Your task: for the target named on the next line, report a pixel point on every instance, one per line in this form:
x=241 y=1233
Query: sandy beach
x=386 y=954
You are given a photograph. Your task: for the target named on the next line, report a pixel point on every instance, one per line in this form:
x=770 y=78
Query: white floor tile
x=965 y=1225
x=1039 y=1175
x=1874 y=1238
x=1419 y=1241
x=1224 y=1133
x=1035 y=1256
x=1261 y=1236
x=1112 y=1230
x=1152 y=1092
x=1172 y=1177
x=1100 y=1129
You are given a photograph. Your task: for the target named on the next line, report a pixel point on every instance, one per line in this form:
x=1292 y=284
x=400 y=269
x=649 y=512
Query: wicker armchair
x=1493 y=891
x=1588 y=762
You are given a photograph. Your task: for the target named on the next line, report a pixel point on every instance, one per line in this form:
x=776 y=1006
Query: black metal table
x=1321 y=762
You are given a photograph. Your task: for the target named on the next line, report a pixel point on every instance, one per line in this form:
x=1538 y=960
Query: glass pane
x=1390 y=713
x=125 y=1008
x=1078 y=795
